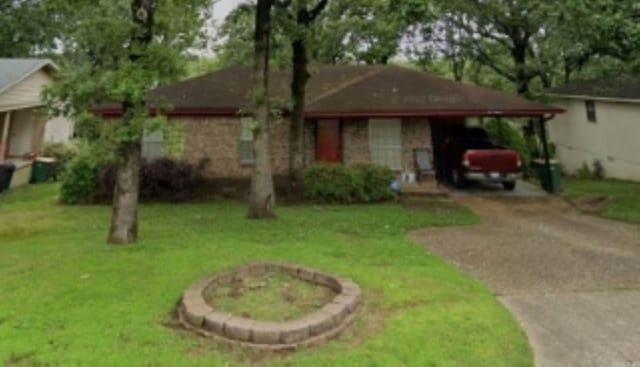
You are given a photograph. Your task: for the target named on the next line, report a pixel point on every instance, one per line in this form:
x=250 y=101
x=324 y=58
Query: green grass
x=623 y=196
x=274 y=296
x=68 y=299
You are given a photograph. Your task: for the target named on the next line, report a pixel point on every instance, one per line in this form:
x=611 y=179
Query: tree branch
x=488 y=61
x=282 y=4
x=315 y=12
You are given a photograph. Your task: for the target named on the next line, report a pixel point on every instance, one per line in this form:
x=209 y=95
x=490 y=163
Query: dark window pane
x=591 y=111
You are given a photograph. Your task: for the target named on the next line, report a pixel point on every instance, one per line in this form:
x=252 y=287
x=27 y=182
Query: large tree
x=27 y=29
x=493 y=28
x=300 y=14
x=532 y=44
x=121 y=49
x=362 y=31
x=588 y=31
x=262 y=195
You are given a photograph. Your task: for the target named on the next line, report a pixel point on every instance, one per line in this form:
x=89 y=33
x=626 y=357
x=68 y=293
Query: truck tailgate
x=492 y=160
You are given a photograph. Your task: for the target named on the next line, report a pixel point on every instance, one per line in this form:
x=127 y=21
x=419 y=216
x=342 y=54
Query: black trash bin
x=6 y=173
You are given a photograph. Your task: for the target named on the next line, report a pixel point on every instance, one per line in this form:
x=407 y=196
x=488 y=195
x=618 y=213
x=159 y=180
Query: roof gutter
x=594 y=98
x=437 y=113
x=233 y=112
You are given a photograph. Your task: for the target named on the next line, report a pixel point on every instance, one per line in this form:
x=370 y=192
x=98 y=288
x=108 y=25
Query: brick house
x=354 y=114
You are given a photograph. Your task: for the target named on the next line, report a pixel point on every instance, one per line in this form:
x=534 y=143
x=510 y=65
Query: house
x=354 y=114
x=24 y=126
x=602 y=124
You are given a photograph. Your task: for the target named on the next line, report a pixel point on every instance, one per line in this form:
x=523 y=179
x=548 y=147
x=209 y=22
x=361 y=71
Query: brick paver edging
x=196 y=314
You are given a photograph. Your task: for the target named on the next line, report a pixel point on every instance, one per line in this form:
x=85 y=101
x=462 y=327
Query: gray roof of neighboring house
x=626 y=87
x=12 y=71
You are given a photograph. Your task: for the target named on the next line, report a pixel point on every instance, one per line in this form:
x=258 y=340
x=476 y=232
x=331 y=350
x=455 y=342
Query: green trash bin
x=553 y=185
x=42 y=170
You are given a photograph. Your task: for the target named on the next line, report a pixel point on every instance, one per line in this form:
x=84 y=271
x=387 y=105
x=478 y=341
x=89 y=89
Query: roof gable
x=13 y=71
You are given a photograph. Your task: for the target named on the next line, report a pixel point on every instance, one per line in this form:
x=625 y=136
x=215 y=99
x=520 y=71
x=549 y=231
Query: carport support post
x=545 y=152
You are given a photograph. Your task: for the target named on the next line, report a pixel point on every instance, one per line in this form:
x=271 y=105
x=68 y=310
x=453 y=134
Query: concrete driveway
x=572 y=281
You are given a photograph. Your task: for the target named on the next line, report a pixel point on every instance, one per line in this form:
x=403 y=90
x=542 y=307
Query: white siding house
x=602 y=124
x=24 y=125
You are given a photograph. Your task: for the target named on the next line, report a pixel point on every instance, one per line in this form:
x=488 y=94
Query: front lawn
x=68 y=299
x=619 y=200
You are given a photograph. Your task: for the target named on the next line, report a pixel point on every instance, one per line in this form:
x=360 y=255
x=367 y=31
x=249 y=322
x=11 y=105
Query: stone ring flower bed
x=197 y=313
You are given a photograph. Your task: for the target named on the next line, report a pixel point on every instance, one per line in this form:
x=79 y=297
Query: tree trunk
x=296 y=124
x=522 y=83
x=300 y=77
x=457 y=67
x=124 y=219
x=262 y=196
x=522 y=80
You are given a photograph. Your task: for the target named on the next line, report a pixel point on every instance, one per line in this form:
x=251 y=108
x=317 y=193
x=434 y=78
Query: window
x=246 y=140
x=591 y=111
x=385 y=142
x=152 y=144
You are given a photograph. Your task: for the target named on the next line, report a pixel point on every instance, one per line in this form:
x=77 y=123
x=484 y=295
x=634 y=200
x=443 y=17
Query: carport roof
x=346 y=91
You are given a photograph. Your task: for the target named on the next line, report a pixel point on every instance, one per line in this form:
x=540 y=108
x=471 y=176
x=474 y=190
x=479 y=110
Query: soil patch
x=269 y=296
x=591 y=204
x=435 y=205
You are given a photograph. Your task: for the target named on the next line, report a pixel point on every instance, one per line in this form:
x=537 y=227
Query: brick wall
x=216 y=138
x=416 y=133
x=355 y=141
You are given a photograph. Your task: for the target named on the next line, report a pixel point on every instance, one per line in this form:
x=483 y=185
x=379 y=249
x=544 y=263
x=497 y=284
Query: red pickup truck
x=471 y=156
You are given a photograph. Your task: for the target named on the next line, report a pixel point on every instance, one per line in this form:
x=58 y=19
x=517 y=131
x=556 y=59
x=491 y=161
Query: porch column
x=545 y=152
x=39 y=120
x=4 y=138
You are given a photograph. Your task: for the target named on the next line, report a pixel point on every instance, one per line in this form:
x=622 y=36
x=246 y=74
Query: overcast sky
x=223 y=7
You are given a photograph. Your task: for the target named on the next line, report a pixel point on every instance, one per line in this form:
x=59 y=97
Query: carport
x=536 y=123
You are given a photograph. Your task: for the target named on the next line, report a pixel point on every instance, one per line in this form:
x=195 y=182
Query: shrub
x=170 y=180
x=79 y=181
x=335 y=183
x=161 y=180
x=376 y=182
x=595 y=172
x=328 y=183
x=504 y=133
x=63 y=153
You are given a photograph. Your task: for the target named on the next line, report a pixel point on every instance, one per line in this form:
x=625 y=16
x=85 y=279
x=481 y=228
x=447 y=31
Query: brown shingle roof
x=623 y=87
x=349 y=90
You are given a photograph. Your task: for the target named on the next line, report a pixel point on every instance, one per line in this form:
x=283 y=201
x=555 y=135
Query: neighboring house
x=602 y=124
x=354 y=114
x=24 y=126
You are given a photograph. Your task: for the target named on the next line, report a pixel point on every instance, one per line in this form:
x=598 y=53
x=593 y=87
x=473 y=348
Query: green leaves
x=108 y=63
x=26 y=28
x=367 y=31
x=530 y=44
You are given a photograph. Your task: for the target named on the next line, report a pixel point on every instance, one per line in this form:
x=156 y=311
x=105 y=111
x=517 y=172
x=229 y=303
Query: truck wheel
x=457 y=179
x=509 y=185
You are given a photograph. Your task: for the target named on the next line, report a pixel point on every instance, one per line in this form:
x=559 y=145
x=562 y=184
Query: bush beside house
x=90 y=177
x=63 y=153
x=79 y=181
x=336 y=183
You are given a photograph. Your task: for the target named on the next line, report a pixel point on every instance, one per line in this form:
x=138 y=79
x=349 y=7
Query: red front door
x=328 y=141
